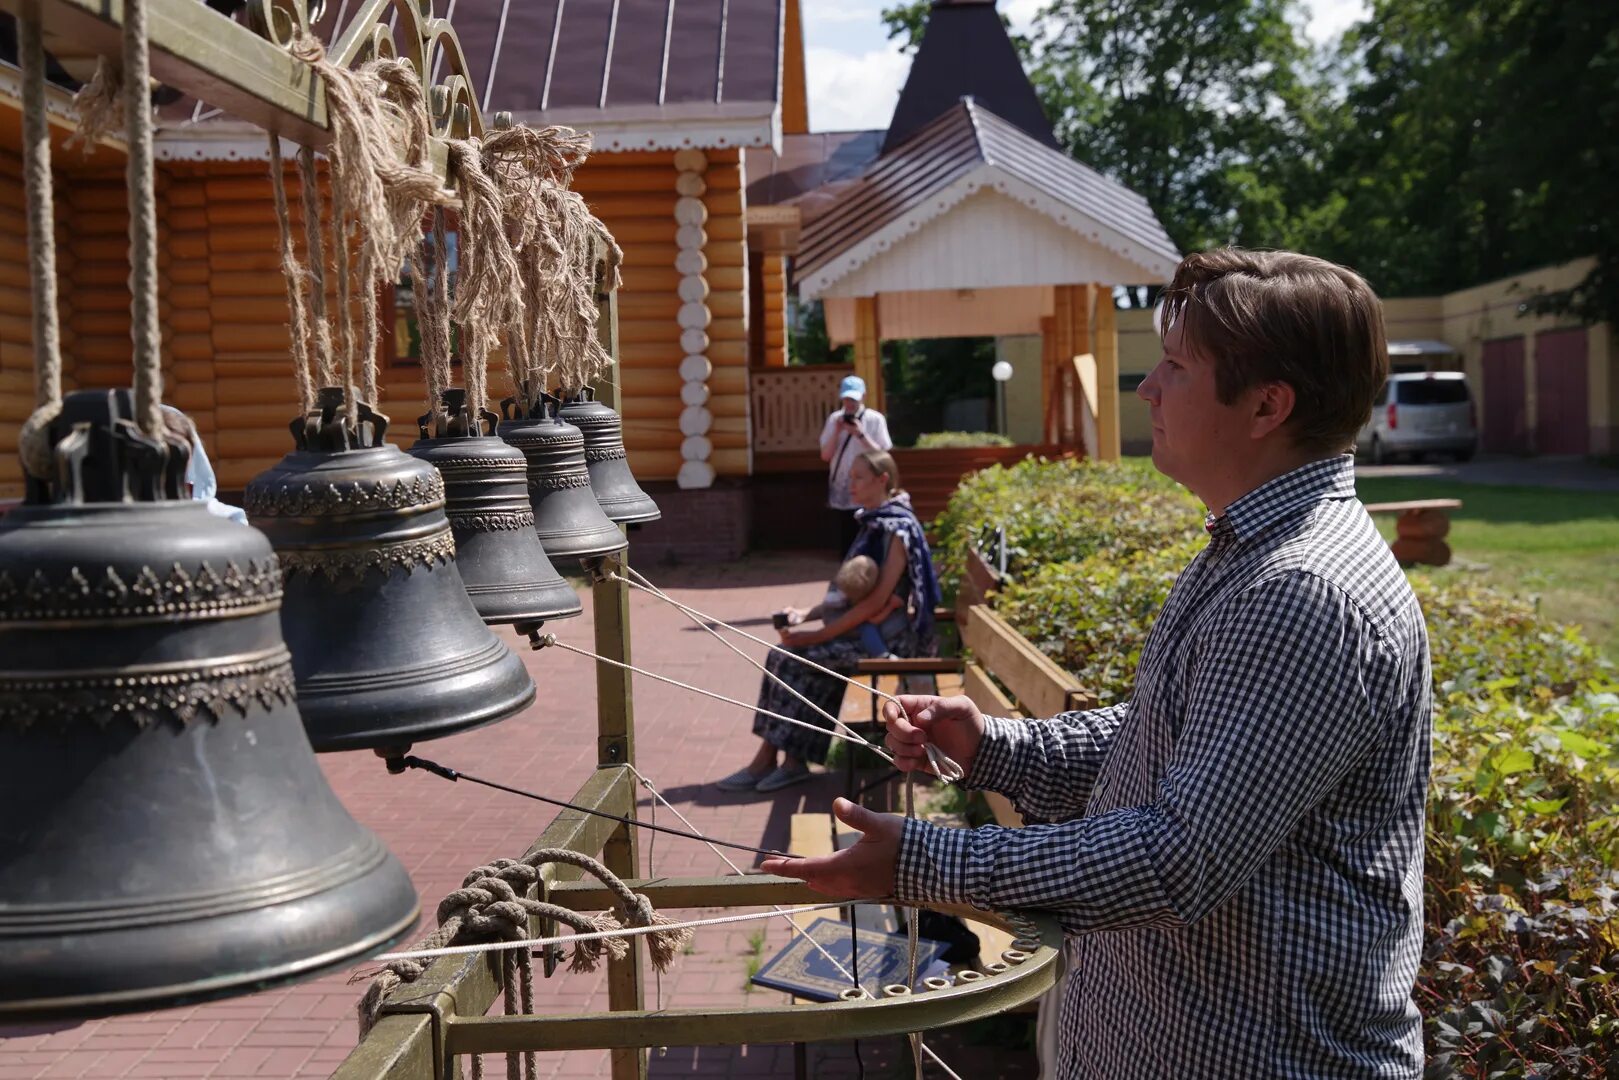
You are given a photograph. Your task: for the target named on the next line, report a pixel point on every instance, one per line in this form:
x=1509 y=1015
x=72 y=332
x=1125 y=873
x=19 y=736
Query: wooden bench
x=1420 y=530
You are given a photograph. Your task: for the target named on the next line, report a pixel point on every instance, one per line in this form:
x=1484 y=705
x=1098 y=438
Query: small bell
x=621 y=498
x=166 y=834
x=497 y=551
x=387 y=647
x=567 y=517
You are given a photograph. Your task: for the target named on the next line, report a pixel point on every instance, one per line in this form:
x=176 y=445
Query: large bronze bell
x=386 y=645
x=620 y=497
x=567 y=517
x=497 y=551
x=166 y=835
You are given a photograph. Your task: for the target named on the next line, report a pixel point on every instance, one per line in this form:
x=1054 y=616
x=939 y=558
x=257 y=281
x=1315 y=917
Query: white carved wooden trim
x=788 y=406
x=694 y=316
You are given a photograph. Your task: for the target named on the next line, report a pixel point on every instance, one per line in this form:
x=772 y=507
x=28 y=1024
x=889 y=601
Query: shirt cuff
x=995 y=765
x=931 y=864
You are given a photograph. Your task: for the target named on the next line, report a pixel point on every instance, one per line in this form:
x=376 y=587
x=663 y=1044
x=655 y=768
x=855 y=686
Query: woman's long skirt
x=840 y=655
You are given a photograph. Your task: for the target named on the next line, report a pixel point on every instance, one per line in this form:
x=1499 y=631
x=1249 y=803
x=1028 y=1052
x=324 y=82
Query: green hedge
x=951 y=440
x=1522 y=936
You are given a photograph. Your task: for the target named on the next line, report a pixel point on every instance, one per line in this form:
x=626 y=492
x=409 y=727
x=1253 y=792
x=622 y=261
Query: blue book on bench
x=802 y=970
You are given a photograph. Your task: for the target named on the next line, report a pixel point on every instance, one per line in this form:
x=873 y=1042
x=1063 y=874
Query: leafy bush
x=1060 y=511
x=1092 y=615
x=1522 y=931
x=950 y=440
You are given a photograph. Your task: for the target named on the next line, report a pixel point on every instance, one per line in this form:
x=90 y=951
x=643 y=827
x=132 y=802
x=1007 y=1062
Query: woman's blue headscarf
x=894 y=518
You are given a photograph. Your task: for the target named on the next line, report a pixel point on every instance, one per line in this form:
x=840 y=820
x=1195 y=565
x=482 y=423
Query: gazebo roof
x=966 y=150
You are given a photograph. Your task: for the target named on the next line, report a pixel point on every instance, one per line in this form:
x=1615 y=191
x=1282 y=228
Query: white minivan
x=1418 y=413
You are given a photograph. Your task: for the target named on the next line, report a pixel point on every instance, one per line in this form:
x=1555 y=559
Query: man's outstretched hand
x=863 y=871
x=953 y=724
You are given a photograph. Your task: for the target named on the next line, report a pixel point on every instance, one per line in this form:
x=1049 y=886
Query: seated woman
x=890 y=536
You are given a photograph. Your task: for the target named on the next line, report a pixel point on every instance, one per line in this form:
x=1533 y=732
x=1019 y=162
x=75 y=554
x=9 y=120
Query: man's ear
x=1272 y=407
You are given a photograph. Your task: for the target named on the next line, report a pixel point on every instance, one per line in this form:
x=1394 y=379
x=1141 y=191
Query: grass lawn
x=1560 y=546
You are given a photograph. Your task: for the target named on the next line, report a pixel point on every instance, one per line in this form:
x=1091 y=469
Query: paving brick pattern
x=440 y=830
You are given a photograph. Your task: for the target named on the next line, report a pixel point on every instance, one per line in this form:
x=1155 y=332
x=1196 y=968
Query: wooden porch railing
x=790 y=405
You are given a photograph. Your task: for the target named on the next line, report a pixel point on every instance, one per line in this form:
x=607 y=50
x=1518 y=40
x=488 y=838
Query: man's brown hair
x=1278 y=316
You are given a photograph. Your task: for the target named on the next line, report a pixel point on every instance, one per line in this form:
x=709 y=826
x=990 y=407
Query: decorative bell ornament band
x=166 y=834
x=387 y=647
x=502 y=563
x=620 y=497
x=567 y=517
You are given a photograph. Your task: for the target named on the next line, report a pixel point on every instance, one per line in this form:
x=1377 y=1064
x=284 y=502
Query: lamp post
x=1001 y=372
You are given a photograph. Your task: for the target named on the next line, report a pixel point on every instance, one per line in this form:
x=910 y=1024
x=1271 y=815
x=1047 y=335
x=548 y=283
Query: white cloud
x=854 y=91
x=1329 y=18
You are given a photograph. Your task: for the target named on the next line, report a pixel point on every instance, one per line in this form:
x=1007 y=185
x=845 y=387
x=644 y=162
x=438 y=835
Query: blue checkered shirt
x=1235 y=853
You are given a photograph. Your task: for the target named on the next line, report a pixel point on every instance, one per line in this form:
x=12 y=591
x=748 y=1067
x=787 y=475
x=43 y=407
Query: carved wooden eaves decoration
x=249 y=72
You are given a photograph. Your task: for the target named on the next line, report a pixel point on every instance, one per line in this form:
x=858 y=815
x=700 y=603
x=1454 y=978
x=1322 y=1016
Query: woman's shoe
x=741 y=780
x=783 y=777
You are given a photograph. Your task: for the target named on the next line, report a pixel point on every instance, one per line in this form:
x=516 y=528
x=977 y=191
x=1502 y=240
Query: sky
x=855 y=72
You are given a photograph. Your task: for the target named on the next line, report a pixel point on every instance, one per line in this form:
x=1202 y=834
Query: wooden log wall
x=773 y=303
x=634 y=194
x=224 y=316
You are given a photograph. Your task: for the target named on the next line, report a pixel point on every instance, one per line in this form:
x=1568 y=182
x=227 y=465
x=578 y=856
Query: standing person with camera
x=850 y=431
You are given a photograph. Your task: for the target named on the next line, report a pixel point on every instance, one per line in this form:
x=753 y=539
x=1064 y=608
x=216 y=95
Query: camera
x=779 y=620
x=850 y=420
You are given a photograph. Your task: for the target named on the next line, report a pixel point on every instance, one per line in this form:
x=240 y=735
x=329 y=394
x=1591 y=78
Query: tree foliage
x=1438 y=144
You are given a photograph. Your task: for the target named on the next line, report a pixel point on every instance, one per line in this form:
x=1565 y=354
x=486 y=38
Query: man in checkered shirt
x=1235 y=852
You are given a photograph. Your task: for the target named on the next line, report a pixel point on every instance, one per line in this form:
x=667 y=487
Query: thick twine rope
x=293 y=272
x=378 y=196
x=492 y=905
x=531 y=166
x=488 y=288
x=431 y=293
x=142 y=223
x=34 y=440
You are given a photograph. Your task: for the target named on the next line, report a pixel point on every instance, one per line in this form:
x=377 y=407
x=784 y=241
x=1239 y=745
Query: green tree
x=1481 y=139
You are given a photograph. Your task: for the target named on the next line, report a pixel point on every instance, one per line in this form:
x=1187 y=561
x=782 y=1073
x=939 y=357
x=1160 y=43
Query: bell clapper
x=596 y=569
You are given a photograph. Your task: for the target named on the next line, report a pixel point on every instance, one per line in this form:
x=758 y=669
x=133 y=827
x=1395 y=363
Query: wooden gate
x=1561 y=421
x=1506 y=426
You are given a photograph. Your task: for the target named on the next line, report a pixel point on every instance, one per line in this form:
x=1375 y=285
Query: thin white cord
x=776 y=647
x=787 y=913
x=944 y=766
x=717 y=636
x=599 y=935
x=551 y=639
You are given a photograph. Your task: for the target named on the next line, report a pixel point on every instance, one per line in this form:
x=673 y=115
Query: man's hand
x=953 y=724
x=863 y=871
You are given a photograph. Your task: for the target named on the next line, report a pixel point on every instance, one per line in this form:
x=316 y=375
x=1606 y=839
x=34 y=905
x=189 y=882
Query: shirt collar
x=1329 y=478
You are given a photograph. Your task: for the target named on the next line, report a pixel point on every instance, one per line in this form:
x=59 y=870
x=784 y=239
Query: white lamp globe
x=1002 y=371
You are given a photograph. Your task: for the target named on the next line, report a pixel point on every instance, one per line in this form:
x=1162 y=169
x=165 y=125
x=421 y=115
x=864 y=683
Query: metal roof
x=807 y=164
x=609 y=65
x=965 y=139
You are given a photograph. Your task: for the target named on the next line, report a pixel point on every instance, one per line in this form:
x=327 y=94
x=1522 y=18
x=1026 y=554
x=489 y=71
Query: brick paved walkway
x=440 y=830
